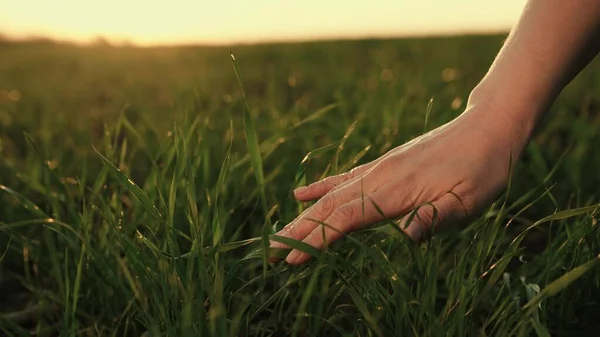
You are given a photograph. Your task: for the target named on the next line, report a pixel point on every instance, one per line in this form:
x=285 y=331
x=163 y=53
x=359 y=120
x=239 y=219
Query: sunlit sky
x=229 y=21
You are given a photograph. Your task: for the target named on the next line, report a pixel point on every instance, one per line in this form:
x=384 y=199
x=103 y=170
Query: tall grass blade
x=251 y=137
x=131 y=186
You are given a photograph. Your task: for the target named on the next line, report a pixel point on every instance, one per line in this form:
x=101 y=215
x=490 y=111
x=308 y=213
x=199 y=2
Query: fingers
x=429 y=218
x=322 y=187
x=275 y=244
x=321 y=210
x=361 y=212
x=348 y=217
x=344 y=219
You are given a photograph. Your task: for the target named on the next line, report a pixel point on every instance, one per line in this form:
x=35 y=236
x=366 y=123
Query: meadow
x=139 y=188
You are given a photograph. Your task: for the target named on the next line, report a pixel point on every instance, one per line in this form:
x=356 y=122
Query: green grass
x=140 y=187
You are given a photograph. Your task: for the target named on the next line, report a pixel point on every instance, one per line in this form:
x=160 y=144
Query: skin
x=461 y=167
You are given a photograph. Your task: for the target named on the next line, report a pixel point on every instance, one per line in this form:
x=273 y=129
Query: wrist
x=506 y=115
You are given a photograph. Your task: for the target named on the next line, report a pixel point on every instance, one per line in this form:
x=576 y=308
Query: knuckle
x=467 y=202
x=345 y=213
x=420 y=215
x=353 y=173
x=431 y=214
x=323 y=185
x=340 y=185
x=327 y=204
x=343 y=177
x=423 y=214
x=337 y=180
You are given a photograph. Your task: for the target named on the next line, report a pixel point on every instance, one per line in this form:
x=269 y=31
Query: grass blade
x=131 y=186
x=561 y=283
x=25 y=203
x=251 y=137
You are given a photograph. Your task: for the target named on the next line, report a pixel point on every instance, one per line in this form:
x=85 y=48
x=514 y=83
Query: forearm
x=552 y=42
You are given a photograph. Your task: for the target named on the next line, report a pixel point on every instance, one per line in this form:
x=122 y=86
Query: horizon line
x=116 y=42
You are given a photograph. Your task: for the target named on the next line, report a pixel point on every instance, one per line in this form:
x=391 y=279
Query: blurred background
x=381 y=60
x=234 y=21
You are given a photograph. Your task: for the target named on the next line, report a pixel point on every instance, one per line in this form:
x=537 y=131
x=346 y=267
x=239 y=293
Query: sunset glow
x=201 y=21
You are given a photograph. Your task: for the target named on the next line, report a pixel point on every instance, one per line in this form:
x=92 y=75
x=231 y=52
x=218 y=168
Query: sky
x=147 y=22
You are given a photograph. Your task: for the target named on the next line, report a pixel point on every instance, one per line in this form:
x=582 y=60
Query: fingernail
x=301 y=190
x=292 y=257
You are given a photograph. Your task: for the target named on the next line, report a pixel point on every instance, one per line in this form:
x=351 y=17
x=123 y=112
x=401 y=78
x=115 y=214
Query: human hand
x=456 y=169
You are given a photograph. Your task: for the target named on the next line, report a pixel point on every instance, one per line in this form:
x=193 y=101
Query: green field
x=134 y=200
